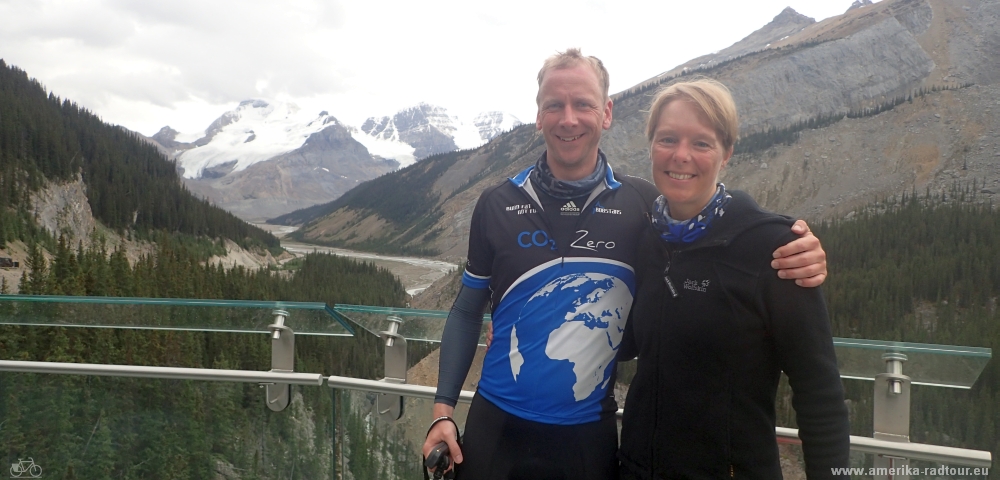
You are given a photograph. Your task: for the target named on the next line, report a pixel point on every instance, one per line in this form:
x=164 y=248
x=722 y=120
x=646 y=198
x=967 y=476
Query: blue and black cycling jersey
x=562 y=281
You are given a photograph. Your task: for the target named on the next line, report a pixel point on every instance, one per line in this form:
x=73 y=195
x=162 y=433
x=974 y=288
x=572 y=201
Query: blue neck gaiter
x=687 y=231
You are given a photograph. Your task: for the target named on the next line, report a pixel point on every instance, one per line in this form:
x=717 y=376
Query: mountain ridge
x=262 y=159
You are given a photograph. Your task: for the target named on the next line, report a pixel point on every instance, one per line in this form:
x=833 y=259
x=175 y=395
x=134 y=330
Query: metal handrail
x=913 y=451
x=416 y=391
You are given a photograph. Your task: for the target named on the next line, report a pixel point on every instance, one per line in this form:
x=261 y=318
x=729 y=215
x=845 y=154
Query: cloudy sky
x=146 y=64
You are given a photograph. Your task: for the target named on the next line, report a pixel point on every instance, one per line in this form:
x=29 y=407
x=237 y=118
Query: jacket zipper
x=670 y=284
x=666 y=276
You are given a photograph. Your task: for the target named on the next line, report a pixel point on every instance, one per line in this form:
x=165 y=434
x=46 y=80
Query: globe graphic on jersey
x=587 y=333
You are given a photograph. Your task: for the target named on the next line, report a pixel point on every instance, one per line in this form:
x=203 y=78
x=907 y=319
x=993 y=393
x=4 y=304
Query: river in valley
x=416 y=273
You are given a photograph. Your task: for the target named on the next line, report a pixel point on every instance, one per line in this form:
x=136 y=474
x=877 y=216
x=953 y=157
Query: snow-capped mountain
x=254 y=132
x=424 y=130
x=491 y=124
x=262 y=160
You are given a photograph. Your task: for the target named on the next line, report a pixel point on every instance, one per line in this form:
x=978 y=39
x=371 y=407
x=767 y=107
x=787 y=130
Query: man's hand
x=489 y=336
x=802 y=259
x=444 y=431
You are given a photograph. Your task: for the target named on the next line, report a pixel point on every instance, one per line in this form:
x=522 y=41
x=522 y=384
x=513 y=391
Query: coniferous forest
x=96 y=427
x=921 y=267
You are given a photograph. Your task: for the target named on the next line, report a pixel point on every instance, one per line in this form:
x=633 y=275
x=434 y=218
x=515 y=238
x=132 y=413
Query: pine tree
x=38 y=278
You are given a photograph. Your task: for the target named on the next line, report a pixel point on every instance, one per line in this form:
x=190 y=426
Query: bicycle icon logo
x=25 y=469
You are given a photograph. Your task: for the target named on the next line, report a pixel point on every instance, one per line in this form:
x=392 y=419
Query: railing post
x=892 y=415
x=390 y=406
x=282 y=360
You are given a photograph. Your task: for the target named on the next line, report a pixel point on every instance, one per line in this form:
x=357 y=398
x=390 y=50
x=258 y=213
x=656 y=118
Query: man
x=553 y=251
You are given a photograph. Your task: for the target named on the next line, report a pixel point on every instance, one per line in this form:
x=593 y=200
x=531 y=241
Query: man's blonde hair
x=571 y=58
x=711 y=97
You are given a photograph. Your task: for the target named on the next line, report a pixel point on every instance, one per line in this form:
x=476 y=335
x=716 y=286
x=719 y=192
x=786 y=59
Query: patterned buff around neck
x=687 y=231
x=542 y=178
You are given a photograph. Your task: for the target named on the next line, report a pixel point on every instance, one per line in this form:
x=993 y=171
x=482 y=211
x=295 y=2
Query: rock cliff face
x=778 y=86
x=880 y=61
x=63 y=209
x=859 y=59
x=931 y=143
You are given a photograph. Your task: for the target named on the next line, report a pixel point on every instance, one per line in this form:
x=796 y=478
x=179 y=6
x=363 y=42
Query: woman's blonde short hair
x=711 y=97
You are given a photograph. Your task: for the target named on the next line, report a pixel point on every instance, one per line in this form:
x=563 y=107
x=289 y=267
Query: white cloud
x=147 y=64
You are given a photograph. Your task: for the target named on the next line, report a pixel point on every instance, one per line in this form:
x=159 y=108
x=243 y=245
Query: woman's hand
x=803 y=259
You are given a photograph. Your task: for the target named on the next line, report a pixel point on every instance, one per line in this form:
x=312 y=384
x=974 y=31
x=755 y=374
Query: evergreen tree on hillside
x=938 y=254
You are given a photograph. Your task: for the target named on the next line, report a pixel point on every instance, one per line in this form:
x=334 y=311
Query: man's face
x=572 y=113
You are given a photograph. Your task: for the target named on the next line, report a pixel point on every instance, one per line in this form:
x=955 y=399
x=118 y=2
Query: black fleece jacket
x=711 y=347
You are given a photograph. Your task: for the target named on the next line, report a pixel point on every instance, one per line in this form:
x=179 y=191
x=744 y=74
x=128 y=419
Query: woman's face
x=687 y=157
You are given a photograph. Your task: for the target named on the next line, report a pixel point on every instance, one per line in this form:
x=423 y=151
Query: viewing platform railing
x=378 y=421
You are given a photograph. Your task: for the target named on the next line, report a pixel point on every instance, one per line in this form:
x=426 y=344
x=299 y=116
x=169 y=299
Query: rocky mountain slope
x=788 y=72
x=62 y=208
x=785 y=24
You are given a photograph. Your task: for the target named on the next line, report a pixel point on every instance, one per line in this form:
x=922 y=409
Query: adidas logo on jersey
x=570 y=208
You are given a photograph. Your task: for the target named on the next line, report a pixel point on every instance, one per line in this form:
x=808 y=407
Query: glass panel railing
x=355 y=439
x=246 y=316
x=83 y=427
x=793 y=460
x=413 y=324
x=373 y=447
x=925 y=364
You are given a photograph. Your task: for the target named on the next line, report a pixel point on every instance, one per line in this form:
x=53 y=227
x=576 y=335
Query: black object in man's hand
x=439 y=460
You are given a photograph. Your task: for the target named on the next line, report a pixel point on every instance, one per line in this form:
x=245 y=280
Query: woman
x=713 y=325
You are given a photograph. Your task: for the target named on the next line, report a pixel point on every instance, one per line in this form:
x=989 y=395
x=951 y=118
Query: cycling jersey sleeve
x=479 y=265
x=459 y=342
